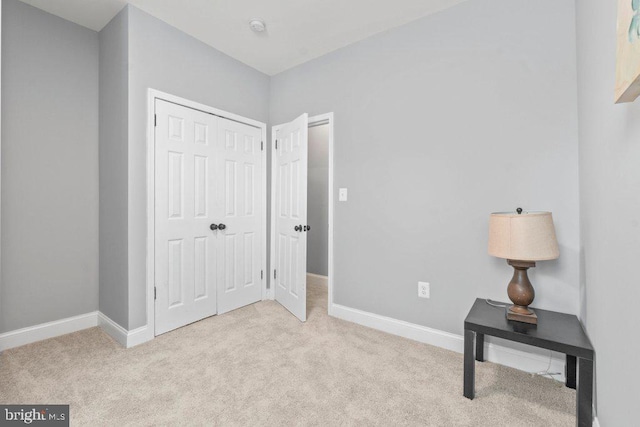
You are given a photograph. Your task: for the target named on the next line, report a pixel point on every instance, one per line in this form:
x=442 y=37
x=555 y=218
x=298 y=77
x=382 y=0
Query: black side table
x=555 y=331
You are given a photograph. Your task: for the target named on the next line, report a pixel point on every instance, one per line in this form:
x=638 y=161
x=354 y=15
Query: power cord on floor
x=544 y=373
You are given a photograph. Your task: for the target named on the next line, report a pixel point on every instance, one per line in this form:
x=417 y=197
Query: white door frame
x=313 y=121
x=152 y=95
x=0 y=144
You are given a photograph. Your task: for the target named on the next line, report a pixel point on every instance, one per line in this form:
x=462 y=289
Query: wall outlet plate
x=424 y=290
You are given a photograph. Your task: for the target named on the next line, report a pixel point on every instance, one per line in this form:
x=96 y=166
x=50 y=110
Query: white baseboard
x=139 y=335
x=47 y=330
x=57 y=328
x=513 y=358
x=125 y=338
x=317 y=279
x=116 y=331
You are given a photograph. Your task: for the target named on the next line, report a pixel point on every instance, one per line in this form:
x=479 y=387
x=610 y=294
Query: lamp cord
x=544 y=373
x=496 y=304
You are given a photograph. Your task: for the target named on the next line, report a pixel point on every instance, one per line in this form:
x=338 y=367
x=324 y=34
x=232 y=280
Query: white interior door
x=290 y=238
x=242 y=215
x=185 y=185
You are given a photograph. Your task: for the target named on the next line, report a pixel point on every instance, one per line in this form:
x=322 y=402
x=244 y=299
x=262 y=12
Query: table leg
x=570 y=372
x=584 y=415
x=479 y=347
x=469 y=365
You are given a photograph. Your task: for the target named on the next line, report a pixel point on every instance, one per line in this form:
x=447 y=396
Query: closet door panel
x=186 y=153
x=239 y=278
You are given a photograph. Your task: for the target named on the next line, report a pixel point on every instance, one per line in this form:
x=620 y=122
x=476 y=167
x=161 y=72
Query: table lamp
x=522 y=238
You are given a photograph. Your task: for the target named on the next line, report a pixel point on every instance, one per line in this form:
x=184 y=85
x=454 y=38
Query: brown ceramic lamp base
x=521 y=293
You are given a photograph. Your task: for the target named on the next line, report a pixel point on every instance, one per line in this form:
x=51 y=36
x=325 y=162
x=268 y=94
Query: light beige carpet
x=260 y=366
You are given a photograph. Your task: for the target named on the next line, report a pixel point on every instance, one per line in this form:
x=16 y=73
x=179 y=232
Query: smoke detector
x=257 y=25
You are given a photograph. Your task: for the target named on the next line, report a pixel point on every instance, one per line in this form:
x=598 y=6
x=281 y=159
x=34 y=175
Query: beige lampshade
x=529 y=236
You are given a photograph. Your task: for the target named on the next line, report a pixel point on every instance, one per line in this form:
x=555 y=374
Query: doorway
x=290 y=227
x=318 y=217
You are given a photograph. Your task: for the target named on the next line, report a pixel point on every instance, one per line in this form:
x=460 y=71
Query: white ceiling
x=297 y=30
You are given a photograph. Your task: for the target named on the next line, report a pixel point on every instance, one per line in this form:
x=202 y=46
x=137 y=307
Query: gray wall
x=610 y=215
x=49 y=168
x=439 y=123
x=114 y=128
x=164 y=58
x=318 y=201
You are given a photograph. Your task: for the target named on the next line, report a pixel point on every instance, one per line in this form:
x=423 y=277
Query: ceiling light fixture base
x=257 y=25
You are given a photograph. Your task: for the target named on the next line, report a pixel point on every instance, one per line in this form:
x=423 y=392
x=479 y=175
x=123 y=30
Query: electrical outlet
x=342 y=195
x=424 y=290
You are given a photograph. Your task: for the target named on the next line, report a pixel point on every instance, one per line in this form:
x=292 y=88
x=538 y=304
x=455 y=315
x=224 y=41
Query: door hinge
x=155 y=293
x=276 y=144
x=261 y=274
x=155 y=120
x=261 y=145
x=274 y=274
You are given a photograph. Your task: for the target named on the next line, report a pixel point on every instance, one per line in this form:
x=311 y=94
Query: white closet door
x=290 y=177
x=242 y=215
x=185 y=185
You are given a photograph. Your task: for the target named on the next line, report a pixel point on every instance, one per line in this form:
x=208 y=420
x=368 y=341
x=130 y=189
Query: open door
x=289 y=176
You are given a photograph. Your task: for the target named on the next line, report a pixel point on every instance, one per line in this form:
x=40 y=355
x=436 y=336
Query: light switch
x=342 y=194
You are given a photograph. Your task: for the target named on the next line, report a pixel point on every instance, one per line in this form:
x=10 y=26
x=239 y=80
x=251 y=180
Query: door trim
x=0 y=149
x=320 y=119
x=152 y=95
